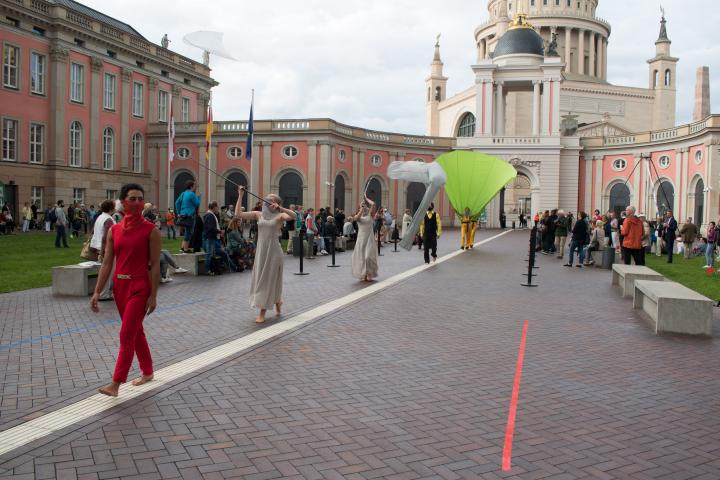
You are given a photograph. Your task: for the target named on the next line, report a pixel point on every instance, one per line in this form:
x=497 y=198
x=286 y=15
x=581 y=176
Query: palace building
x=85 y=99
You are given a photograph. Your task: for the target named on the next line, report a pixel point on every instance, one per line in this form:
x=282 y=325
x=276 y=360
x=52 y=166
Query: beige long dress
x=364 y=257
x=267 y=274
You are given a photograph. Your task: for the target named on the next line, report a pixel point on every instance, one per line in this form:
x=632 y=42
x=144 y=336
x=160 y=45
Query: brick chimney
x=702 y=94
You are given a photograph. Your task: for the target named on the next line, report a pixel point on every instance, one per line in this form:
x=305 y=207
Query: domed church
x=541 y=101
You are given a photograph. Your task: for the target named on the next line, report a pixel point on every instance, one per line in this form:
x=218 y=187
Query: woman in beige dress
x=364 y=257
x=267 y=275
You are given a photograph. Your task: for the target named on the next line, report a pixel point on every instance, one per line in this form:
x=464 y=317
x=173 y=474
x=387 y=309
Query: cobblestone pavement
x=413 y=382
x=53 y=349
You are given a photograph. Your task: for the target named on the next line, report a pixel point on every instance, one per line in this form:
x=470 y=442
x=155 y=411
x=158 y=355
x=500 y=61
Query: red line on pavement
x=509 y=430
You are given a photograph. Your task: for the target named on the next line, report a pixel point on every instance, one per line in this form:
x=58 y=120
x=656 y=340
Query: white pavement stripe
x=55 y=421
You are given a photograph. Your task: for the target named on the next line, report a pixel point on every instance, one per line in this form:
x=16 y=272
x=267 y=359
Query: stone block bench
x=76 y=280
x=674 y=308
x=626 y=275
x=190 y=262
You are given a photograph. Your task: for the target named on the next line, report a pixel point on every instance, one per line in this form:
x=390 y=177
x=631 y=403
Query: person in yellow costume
x=469 y=225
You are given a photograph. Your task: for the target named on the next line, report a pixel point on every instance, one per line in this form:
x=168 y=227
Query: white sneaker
x=323 y=252
x=165 y=279
x=180 y=270
x=706 y=267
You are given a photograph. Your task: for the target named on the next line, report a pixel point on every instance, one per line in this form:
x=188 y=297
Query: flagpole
x=170 y=152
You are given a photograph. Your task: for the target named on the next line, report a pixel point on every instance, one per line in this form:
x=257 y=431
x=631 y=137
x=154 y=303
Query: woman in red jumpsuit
x=134 y=245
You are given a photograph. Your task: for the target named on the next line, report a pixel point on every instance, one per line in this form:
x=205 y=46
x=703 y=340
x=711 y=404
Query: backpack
x=52 y=215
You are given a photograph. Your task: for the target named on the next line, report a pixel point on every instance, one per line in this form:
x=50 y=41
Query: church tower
x=436 y=85
x=663 y=81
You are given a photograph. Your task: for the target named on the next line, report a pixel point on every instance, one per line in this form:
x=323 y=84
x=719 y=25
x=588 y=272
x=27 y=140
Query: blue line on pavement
x=92 y=326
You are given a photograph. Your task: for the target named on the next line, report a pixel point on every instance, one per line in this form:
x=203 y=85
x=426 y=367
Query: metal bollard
x=302 y=253
x=531 y=258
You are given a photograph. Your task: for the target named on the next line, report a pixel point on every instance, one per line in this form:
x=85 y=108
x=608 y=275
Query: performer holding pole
x=364 y=257
x=267 y=276
x=134 y=245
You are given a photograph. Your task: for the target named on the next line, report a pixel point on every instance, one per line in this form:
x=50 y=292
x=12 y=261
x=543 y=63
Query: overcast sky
x=364 y=62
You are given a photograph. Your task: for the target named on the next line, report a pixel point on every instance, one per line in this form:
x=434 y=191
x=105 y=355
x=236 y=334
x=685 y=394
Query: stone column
x=97 y=96
x=362 y=155
x=125 y=113
x=202 y=106
x=254 y=165
x=57 y=153
x=176 y=95
x=536 y=108
x=555 y=106
x=325 y=168
x=601 y=202
x=152 y=108
x=593 y=40
x=599 y=61
x=311 y=174
x=500 y=113
x=354 y=181
x=581 y=52
x=545 y=110
x=636 y=198
x=605 y=45
x=212 y=193
x=568 y=37
x=266 y=163
x=392 y=185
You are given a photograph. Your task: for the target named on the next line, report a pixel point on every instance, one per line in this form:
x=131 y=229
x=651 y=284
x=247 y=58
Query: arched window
x=75 y=144
x=668 y=77
x=699 y=202
x=664 y=161
x=234 y=152
x=290 y=151
x=619 y=198
x=108 y=149
x=137 y=153
x=291 y=189
x=180 y=183
x=376 y=160
x=438 y=95
x=665 y=196
x=656 y=78
x=467 y=126
x=374 y=191
x=415 y=194
x=619 y=164
x=339 y=193
x=231 y=189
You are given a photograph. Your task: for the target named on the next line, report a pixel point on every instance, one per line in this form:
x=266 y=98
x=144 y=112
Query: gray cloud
x=364 y=62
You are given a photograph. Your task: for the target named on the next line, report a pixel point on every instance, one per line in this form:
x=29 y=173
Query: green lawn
x=26 y=260
x=688 y=272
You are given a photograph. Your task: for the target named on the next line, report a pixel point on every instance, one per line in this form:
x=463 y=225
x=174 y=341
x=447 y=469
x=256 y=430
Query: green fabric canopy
x=473 y=179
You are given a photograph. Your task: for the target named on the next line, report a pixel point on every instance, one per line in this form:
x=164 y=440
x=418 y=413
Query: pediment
x=601 y=129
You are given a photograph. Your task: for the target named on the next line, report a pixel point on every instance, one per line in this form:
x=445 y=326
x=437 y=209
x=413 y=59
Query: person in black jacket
x=579 y=240
x=669 y=233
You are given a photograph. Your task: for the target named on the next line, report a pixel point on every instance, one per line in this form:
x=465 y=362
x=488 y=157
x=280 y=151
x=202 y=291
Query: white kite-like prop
x=432 y=176
x=209 y=43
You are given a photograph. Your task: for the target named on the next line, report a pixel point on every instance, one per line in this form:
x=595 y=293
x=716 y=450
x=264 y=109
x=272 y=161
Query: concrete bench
x=76 y=280
x=190 y=262
x=626 y=275
x=674 y=308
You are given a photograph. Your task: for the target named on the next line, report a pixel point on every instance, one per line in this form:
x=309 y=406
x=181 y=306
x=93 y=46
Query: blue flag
x=248 y=146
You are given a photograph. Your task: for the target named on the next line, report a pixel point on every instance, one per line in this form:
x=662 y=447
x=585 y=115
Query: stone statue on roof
x=165 y=42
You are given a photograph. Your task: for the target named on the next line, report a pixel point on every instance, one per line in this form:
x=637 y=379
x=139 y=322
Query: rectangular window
x=11 y=62
x=568 y=4
x=138 y=108
x=111 y=195
x=39 y=31
x=37 y=139
x=77 y=83
x=79 y=195
x=162 y=105
x=109 y=92
x=36 y=196
x=75 y=144
x=557 y=3
x=37 y=73
x=185 y=107
x=9 y=139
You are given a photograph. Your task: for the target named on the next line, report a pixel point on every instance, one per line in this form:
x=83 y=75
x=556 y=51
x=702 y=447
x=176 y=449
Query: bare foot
x=260 y=318
x=278 y=308
x=111 y=389
x=143 y=380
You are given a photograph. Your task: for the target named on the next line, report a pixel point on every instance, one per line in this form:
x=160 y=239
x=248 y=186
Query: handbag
x=87 y=252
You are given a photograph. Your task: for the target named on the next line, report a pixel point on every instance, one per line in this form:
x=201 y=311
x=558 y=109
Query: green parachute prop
x=471 y=180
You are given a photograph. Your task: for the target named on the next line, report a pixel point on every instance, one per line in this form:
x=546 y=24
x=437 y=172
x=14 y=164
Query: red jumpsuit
x=131 y=289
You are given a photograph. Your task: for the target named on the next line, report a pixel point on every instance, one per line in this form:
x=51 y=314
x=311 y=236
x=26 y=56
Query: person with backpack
x=58 y=217
x=186 y=207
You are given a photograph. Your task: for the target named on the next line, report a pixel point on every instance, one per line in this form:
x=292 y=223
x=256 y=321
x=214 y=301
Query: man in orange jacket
x=632 y=231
